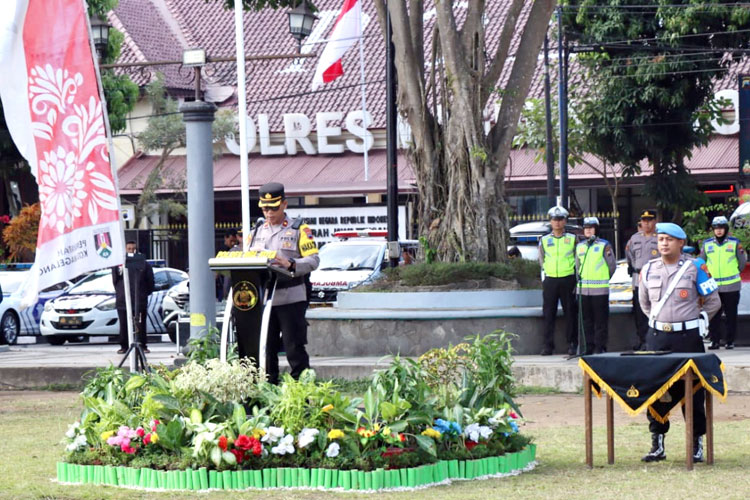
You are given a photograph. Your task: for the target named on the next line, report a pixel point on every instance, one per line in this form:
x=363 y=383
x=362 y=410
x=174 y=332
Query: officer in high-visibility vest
x=725 y=258
x=595 y=264
x=557 y=258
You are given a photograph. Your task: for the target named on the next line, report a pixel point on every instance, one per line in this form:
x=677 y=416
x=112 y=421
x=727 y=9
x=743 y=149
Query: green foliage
x=121 y=95
x=208 y=347
x=697 y=223
x=524 y=271
x=430 y=254
x=645 y=98
x=297 y=403
x=235 y=381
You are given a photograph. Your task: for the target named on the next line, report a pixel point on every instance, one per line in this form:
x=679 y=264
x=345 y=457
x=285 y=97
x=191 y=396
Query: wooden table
x=688 y=379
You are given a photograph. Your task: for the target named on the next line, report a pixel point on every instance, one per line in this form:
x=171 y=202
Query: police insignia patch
x=653 y=252
x=567 y=241
x=308 y=232
x=633 y=392
x=683 y=294
x=245 y=296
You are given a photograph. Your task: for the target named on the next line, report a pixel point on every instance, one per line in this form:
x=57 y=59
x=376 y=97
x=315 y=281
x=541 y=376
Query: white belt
x=663 y=326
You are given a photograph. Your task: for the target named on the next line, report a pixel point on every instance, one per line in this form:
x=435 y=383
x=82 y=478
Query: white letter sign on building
x=297 y=130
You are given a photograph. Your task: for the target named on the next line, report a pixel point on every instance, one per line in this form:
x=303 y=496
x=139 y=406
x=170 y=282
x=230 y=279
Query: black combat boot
x=657 y=452
x=698 y=449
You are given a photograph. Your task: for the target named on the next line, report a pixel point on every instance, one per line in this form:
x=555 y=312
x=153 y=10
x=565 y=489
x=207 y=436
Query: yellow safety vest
x=722 y=261
x=559 y=255
x=594 y=271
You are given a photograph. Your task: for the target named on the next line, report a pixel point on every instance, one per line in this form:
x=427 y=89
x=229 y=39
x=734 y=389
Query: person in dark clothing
x=231 y=241
x=141 y=285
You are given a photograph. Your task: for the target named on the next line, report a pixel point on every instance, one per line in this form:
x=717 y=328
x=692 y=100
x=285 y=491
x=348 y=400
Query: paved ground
x=36 y=365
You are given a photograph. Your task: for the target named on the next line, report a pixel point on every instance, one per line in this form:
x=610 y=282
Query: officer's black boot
x=698 y=449
x=657 y=452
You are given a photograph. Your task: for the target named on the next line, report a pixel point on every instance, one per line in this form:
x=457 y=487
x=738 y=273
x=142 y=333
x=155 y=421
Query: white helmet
x=557 y=211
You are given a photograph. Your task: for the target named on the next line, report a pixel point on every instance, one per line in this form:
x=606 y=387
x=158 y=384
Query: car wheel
x=9 y=326
x=172 y=336
x=56 y=339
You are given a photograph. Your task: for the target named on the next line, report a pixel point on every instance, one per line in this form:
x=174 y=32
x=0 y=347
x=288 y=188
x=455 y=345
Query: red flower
x=4 y=219
x=239 y=455
x=129 y=449
x=470 y=444
x=223 y=443
x=257 y=448
x=147 y=439
x=401 y=437
x=140 y=432
x=513 y=415
x=154 y=424
x=243 y=442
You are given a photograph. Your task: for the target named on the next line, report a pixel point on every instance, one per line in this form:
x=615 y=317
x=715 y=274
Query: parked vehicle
x=14 y=321
x=176 y=304
x=356 y=260
x=88 y=308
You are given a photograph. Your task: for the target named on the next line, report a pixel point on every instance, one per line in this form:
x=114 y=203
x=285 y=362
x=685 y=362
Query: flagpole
x=362 y=86
x=113 y=167
x=242 y=117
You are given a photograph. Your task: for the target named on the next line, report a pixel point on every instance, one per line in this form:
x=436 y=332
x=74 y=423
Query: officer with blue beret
x=678 y=295
x=725 y=259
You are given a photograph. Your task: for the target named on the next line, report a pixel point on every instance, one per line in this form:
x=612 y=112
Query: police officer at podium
x=298 y=253
x=557 y=258
x=595 y=263
x=725 y=259
x=679 y=296
x=640 y=249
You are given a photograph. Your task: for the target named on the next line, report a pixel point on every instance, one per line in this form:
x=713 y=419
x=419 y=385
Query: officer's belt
x=663 y=326
x=289 y=283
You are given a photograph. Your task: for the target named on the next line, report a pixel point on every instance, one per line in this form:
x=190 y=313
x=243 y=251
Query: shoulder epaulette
x=297 y=222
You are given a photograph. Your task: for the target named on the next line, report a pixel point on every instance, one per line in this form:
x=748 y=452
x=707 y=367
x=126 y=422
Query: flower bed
x=211 y=425
x=442 y=472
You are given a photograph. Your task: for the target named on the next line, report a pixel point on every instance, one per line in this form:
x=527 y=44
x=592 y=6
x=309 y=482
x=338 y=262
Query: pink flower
x=147 y=439
x=128 y=449
x=513 y=415
x=114 y=441
x=140 y=432
x=154 y=423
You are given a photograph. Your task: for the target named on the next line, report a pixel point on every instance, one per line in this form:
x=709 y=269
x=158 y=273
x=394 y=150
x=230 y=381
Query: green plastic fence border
x=442 y=472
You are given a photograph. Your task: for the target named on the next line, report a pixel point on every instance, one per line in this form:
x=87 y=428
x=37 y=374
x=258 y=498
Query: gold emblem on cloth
x=244 y=296
x=714 y=379
x=268 y=196
x=632 y=392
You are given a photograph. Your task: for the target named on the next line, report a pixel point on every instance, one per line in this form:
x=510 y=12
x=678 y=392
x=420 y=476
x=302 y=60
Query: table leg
x=610 y=430
x=689 y=419
x=588 y=420
x=709 y=428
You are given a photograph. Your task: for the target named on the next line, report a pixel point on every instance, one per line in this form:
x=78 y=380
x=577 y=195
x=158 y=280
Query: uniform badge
x=683 y=294
x=654 y=252
x=709 y=248
x=244 y=295
x=289 y=233
x=285 y=224
x=714 y=379
x=308 y=232
x=633 y=392
x=287 y=245
x=567 y=241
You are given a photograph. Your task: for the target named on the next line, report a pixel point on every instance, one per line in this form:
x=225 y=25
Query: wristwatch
x=291 y=264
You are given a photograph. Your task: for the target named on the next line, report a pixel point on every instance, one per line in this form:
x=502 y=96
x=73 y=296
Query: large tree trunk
x=459 y=168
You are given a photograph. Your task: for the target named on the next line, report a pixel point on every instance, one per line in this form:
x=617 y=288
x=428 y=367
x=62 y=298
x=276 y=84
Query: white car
x=88 y=308
x=350 y=263
x=15 y=322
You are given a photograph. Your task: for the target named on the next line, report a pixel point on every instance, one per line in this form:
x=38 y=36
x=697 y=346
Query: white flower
x=78 y=443
x=72 y=430
x=498 y=418
x=286 y=445
x=61 y=189
x=333 y=450
x=472 y=432
x=306 y=436
x=485 y=431
x=273 y=434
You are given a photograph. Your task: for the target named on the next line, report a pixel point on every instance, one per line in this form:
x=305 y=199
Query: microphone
x=591 y=240
x=260 y=221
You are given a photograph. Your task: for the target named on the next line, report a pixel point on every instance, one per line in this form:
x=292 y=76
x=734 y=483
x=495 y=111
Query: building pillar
x=198 y=117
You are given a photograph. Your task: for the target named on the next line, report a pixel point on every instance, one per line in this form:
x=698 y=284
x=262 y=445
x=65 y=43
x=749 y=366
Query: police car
x=14 y=321
x=88 y=308
x=357 y=259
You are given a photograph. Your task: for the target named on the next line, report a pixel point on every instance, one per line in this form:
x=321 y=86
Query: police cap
x=557 y=212
x=271 y=194
x=720 y=221
x=648 y=214
x=590 y=221
x=671 y=229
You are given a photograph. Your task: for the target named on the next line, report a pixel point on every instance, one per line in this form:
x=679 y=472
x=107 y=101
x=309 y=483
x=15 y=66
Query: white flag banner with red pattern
x=346 y=32
x=54 y=114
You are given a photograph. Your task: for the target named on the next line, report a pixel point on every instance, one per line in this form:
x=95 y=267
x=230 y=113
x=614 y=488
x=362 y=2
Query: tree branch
x=489 y=82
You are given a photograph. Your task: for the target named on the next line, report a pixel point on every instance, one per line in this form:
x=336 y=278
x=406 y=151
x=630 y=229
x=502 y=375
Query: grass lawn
x=33 y=423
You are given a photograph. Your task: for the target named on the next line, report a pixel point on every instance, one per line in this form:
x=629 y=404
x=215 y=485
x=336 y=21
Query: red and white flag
x=54 y=114
x=346 y=32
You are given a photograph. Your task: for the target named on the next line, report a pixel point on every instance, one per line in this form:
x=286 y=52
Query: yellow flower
x=258 y=433
x=335 y=434
x=327 y=408
x=106 y=435
x=154 y=437
x=435 y=434
x=386 y=431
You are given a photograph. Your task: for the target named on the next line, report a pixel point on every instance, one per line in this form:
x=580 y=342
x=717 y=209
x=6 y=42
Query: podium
x=250 y=299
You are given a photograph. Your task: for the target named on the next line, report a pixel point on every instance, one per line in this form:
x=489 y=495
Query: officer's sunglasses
x=270 y=209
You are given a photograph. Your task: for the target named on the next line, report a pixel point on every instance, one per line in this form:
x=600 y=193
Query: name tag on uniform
x=597 y=249
x=550 y=242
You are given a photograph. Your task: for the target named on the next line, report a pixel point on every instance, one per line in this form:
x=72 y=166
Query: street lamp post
x=301 y=20
x=100 y=35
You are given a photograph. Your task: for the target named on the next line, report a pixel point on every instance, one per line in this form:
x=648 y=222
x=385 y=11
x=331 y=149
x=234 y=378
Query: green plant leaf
x=427 y=444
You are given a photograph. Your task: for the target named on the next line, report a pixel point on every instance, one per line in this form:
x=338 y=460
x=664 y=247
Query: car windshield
x=11 y=281
x=99 y=282
x=349 y=257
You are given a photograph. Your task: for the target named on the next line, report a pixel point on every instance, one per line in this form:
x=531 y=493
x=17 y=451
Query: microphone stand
x=581 y=334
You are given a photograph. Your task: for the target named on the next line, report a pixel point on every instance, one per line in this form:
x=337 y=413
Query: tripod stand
x=579 y=306
x=137 y=265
